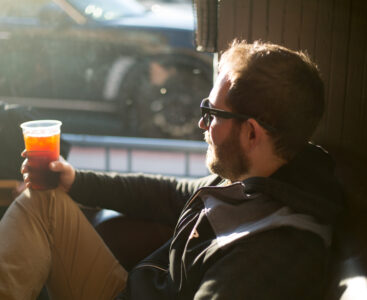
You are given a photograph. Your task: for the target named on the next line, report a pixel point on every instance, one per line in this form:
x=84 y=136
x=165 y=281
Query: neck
x=262 y=166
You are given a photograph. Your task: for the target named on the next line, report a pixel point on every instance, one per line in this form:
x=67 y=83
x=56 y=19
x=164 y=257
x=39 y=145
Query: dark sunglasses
x=208 y=112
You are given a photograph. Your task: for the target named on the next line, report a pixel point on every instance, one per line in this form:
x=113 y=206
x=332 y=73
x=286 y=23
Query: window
x=113 y=67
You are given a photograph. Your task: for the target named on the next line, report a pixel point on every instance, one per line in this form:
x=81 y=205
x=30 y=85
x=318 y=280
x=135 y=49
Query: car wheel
x=160 y=96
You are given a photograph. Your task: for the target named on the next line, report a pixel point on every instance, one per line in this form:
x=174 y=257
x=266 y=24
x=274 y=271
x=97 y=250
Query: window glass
x=23 y=9
x=111 y=67
x=109 y=10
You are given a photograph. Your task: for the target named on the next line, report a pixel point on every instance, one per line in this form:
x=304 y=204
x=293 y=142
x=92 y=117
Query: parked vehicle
x=104 y=66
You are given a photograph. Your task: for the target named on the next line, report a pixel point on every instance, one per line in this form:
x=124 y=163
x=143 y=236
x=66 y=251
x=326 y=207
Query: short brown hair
x=278 y=86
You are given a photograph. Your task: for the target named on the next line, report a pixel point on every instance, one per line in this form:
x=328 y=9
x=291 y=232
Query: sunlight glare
x=356 y=288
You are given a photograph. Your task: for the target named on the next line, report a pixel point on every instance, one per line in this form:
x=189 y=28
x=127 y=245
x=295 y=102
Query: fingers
x=24 y=167
x=56 y=166
x=26 y=180
x=24 y=170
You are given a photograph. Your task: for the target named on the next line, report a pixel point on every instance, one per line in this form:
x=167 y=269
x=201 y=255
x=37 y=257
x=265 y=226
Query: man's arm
x=279 y=264
x=151 y=197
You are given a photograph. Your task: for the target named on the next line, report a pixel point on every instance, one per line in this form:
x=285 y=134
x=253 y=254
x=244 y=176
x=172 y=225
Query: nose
x=201 y=124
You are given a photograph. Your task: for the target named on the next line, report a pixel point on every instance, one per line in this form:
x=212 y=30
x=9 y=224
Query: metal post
x=108 y=158
x=187 y=164
x=129 y=160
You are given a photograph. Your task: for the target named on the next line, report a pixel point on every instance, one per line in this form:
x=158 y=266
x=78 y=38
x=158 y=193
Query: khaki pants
x=46 y=239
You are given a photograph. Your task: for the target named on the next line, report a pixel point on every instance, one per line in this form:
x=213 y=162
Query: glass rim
x=35 y=124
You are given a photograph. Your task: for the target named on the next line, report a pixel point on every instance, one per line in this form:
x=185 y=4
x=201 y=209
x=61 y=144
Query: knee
x=32 y=196
x=42 y=201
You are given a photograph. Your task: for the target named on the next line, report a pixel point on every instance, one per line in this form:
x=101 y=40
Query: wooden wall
x=334 y=33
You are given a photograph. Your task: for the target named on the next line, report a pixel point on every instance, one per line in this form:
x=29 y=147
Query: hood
x=306 y=184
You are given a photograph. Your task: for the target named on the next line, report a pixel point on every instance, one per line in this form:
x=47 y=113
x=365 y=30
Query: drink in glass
x=42 y=143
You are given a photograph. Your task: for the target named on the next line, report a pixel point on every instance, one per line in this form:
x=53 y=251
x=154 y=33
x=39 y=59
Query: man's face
x=225 y=155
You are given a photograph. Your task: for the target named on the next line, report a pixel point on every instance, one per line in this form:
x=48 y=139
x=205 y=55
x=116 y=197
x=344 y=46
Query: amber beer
x=42 y=142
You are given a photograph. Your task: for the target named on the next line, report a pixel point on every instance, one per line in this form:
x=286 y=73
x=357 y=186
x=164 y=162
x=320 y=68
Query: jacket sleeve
x=150 y=197
x=279 y=264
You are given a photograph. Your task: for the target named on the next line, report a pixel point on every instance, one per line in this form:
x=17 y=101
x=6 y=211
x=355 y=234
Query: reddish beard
x=227 y=159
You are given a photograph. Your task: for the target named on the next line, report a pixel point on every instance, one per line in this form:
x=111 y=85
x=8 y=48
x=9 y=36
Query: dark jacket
x=264 y=238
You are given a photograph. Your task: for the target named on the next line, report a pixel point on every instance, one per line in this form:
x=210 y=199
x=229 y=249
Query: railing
x=130 y=154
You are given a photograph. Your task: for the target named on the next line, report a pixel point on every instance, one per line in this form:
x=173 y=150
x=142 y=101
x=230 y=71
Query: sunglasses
x=208 y=112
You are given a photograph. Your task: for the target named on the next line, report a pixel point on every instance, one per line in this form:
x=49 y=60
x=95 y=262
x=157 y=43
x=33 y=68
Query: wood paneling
x=276 y=14
x=353 y=116
x=227 y=25
x=308 y=26
x=335 y=97
x=259 y=24
x=243 y=17
x=292 y=23
x=233 y=15
x=323 y=41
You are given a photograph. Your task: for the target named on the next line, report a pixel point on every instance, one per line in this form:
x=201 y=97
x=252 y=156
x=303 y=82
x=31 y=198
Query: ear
x=252 y=134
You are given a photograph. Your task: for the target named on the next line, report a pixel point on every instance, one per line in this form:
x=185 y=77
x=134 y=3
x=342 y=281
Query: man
x=259 y=228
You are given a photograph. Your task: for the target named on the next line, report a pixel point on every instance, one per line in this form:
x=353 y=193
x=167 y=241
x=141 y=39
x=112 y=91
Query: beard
x=227 y=159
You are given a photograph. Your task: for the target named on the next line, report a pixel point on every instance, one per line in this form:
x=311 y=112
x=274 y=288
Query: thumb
x=67 y=173
x=58 y=166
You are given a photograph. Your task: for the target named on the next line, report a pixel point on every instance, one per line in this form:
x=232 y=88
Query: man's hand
x=66 y=170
